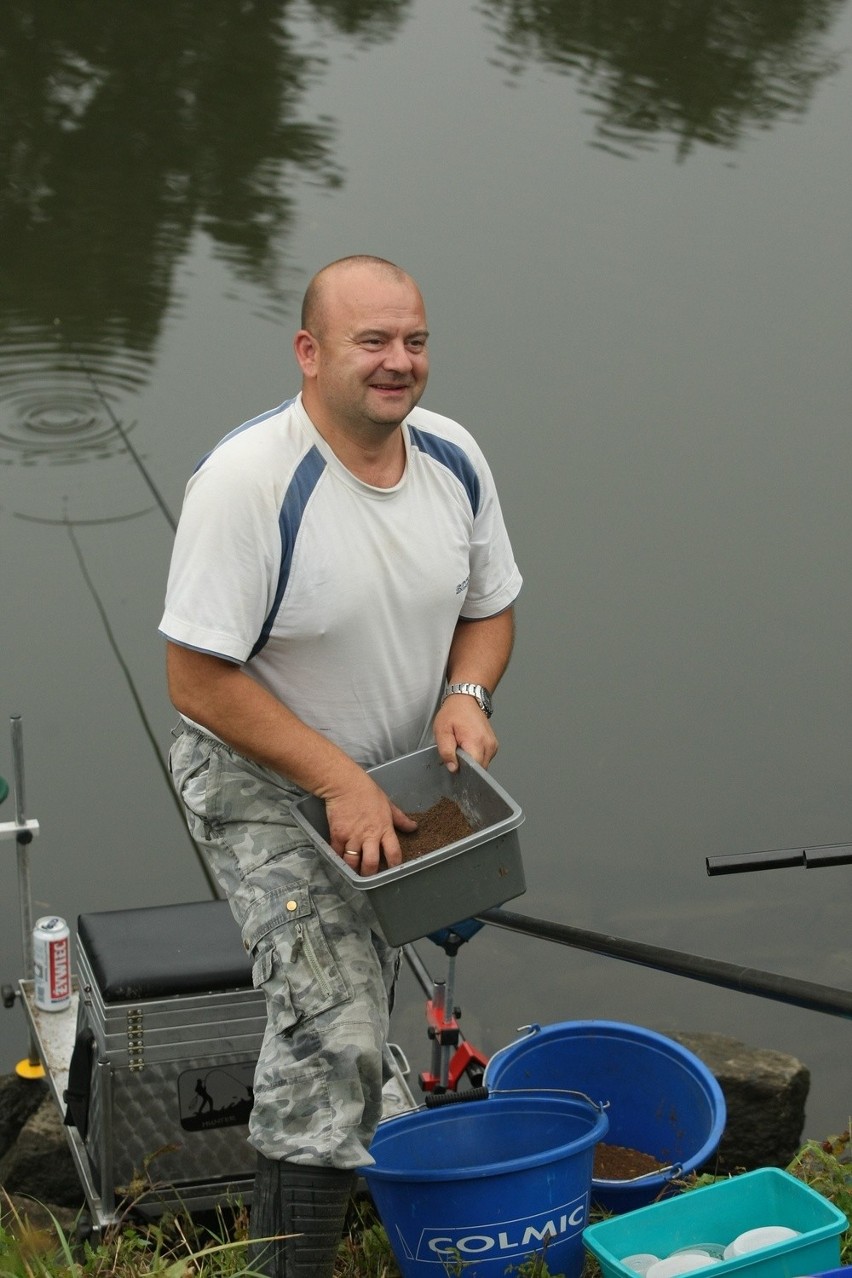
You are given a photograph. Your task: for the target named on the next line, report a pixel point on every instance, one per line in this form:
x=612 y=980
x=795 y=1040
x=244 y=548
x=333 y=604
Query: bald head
x=321 y=288
x=362 y=349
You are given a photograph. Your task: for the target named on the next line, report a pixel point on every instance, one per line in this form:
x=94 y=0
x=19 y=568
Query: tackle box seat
x=164 y=950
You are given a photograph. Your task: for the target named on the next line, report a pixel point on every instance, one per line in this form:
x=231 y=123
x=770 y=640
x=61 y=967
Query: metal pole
x=22 y=839
x=438 y=1006
x=747 y=980
x=418 y=969
x=448 y=1048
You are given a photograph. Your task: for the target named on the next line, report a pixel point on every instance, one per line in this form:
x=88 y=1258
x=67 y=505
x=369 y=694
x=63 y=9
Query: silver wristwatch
x=482 y=695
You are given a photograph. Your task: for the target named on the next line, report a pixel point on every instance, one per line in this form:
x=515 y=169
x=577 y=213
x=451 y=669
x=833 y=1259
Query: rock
x=19 y=1098
x=39 y=1163
x=20 y=1214
x=765 y=1093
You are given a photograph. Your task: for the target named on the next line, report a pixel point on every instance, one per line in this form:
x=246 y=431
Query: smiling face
x=362 y=351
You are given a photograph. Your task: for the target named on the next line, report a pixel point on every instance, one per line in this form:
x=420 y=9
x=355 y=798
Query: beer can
x=52 y=963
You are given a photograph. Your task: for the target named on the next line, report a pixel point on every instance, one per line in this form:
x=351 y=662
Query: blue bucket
x=662 y=1100
x=486 y=1183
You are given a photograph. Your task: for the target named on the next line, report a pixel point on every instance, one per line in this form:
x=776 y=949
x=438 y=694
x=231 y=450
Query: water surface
x=630 y=223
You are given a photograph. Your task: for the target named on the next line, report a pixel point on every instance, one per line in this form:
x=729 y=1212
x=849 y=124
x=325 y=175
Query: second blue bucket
x=478 y=1186
x=662 y=1100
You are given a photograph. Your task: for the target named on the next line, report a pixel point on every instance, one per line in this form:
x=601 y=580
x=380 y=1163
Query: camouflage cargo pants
x=327 y=977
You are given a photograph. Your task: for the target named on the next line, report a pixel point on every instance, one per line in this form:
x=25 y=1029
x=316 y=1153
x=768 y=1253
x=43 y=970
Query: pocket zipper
x=304 y=942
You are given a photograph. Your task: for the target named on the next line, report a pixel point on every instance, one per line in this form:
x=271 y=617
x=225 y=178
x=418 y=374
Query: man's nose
x=398 y=357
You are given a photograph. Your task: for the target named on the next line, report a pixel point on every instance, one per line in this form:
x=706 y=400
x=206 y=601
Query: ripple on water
x=61 y=409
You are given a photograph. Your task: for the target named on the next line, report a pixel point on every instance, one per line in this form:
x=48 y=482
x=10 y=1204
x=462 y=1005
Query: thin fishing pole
x=172 y=522
x=113 y=642
x=122 y=433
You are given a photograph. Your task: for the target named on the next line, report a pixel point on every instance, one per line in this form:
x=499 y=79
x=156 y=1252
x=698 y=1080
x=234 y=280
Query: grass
x=175 y=1246
x=827 y=1168
x=171 y=1247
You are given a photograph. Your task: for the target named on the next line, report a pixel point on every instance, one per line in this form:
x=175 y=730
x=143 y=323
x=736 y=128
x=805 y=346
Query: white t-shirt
x=340 y=598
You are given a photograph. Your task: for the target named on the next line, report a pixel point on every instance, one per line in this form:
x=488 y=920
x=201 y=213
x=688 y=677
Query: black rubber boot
x=292 y=1199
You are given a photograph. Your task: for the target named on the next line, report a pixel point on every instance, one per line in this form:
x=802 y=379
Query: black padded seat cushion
x=194 y=948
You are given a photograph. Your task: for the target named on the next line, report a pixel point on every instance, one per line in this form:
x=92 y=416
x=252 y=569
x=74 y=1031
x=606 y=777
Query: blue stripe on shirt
x=453 y=457
x=238 y=430
x=305 y=479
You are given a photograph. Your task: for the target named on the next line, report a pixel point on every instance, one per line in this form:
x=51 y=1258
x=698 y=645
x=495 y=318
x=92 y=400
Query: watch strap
x=476 y=690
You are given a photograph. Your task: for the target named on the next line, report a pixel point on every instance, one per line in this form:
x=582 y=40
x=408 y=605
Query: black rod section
x=740 y=862
x=829 y=854
x=811 y=858
x=747 y=980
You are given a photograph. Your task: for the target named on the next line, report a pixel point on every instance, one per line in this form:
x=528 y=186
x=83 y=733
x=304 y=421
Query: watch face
x=486 y=702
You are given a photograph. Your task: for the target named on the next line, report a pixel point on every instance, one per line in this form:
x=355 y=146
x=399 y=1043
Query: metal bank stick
x=23 y=832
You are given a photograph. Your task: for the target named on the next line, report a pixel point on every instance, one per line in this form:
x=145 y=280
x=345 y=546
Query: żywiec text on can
x=52 y=964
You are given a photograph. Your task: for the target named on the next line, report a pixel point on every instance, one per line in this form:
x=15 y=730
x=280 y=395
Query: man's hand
x=221 y=696
x=461 y=723
x=362 y=824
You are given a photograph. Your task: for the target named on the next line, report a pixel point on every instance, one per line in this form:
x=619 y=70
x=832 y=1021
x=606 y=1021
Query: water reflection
x=708 y=71
x=124 y=132
x=366 y=21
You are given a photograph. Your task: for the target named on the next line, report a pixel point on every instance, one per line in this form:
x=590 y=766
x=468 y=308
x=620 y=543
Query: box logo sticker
x=216 y=1096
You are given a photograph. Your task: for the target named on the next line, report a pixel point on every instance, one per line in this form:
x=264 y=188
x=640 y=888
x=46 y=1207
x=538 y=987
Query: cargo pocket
x=189 y=766
x=279 y=1008
x=204 y=784
x=293 y=964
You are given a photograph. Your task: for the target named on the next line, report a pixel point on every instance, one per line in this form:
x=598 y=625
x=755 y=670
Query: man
x=340 y=594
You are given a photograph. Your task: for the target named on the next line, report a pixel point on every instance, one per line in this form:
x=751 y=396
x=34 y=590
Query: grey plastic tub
x=452 y=883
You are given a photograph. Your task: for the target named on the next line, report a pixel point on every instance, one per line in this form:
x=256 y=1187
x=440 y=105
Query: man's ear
x=306 y=350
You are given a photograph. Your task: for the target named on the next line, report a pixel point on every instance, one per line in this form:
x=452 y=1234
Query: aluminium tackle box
x=160 y=1081
x=152 y=1065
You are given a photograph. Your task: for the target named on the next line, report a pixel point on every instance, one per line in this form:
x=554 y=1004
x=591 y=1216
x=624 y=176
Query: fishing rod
x=113 y=642
x=69 y=525
x=120 y=431
x=782 y=858
x=747 y=980
x=137 y=699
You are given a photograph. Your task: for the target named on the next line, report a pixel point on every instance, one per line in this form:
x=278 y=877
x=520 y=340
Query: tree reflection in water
x=368 y=22
x=124 y=131
x=692 y=70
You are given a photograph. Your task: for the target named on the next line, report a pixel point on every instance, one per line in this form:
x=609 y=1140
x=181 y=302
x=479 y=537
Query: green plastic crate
x=718 y=1213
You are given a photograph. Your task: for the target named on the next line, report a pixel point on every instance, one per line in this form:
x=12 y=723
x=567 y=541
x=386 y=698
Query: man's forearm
x=480 y=650
x=222 y=698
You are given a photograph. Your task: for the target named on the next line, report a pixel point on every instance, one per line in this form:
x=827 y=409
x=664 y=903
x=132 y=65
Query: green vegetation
x=177 y=1247
x=827 y=1168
